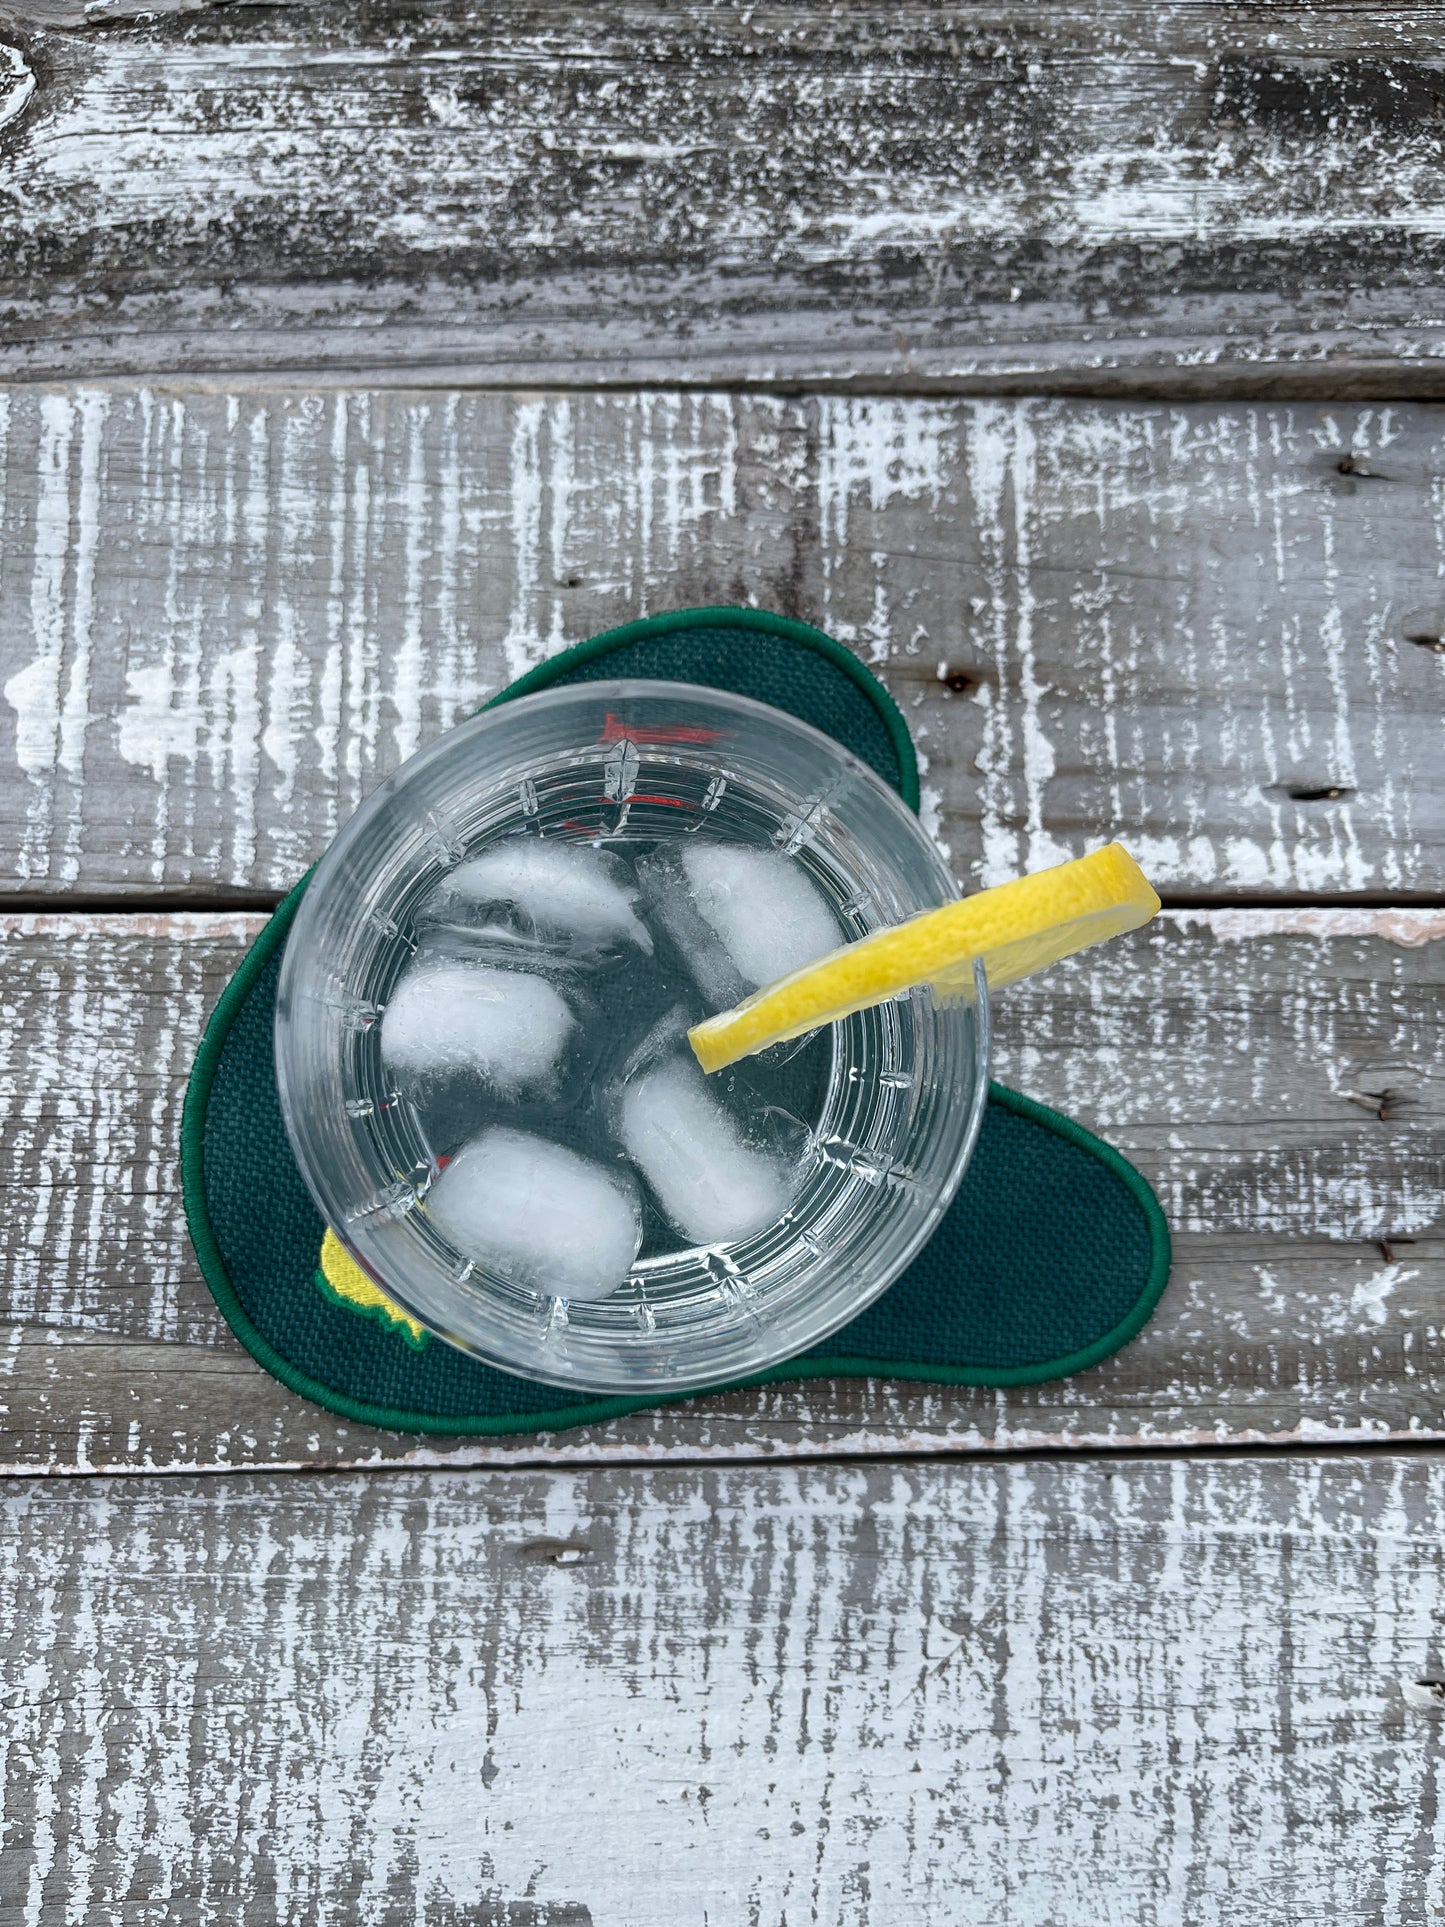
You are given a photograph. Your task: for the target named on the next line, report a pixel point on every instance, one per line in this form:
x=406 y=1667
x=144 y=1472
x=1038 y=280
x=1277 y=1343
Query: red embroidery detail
x=616 y=802
x=614 y=730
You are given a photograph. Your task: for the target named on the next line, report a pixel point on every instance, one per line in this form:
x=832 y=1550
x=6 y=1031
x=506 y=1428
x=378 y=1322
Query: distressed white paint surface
x=223 y=618
x=1120 y=1692
x=1243 y=1073
x=1408 y=927
x=1150 y=181
x=675 y=191
x=17 y=84
x=1133 y=1695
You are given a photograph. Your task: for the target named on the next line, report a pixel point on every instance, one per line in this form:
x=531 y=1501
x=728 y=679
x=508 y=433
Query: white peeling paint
x=151 y=730
x=51 y=693
x=1408 y=928
x=930 y=814
x=17 y=84
x=404 y=661
x=1017 y=758
x=34 y=692
x=1371 y=1295
x=874 y=451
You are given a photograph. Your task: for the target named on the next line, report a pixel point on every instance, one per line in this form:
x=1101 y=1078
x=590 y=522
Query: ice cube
x=711 y=1184
x=661 y=1039
x=507 y=1027
x=670 y=908
x=561 y=891
x=554 y=1222
x=769 y=916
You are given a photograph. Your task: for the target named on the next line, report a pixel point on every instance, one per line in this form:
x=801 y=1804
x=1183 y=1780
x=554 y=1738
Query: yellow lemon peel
x=1014 y=929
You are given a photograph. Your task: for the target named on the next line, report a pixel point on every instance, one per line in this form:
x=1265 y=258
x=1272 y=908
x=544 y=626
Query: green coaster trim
x=264 y=952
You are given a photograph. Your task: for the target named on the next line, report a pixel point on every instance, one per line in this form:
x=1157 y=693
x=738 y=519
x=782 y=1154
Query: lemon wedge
x=1015 y=928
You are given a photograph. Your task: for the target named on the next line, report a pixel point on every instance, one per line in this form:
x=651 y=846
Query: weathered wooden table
x=1072 y=364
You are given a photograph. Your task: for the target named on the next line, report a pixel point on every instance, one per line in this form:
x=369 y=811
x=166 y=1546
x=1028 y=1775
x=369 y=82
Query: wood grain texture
x=1135 y=1695
x=223 y=617
x=1238 y=1057
x=909 y=192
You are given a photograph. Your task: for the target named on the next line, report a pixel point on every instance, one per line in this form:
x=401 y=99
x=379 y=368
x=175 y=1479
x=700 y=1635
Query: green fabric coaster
x=1052 y=1256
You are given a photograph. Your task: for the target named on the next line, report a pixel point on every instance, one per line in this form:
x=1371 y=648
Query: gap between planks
x=97 y=906
x=1384 y=381
x=1205 y=1449
x=1408 y=924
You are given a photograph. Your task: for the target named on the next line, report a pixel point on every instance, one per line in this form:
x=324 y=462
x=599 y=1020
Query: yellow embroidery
x=345 y=1283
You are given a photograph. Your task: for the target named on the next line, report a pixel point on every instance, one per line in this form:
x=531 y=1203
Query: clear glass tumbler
x=613 y=763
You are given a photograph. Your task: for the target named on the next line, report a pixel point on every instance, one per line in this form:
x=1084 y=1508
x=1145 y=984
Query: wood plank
x=666 y=191
x=1233 y=1055
x=1134 y=1693
x=224 y=617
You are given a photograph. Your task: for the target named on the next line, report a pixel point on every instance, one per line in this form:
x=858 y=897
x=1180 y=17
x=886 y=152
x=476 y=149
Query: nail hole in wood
x=1386 y=1246
x=1382 y=1103
x=1423 y=639
x=1355 y=467
x=554 y=1552
x=960 y=682
x=1350 y=465
x=1316 y=792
